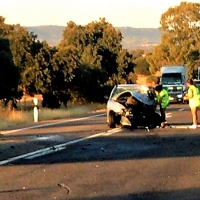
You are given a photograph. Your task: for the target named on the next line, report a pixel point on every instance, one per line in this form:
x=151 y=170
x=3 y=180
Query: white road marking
x=110 y=132
x=181 y=126
x=184 y=126
x=60 y=147
x=50 y=124
x=56 y=148
x=168 y=115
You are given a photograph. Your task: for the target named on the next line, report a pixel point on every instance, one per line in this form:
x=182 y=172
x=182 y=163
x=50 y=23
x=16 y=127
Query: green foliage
x=142 y=66
x=88 y=61
x=9 y=75
x=180 y=43
x=102 y=62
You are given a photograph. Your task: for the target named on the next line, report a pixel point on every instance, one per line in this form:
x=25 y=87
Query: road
x=80 y=159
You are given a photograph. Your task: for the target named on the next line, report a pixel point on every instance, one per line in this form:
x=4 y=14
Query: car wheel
x=111 y=120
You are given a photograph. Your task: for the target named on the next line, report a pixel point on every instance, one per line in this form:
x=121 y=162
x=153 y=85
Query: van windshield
x=171 y=79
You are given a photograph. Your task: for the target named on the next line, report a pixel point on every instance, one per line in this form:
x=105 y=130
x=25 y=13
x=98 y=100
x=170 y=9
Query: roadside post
x=35 y=109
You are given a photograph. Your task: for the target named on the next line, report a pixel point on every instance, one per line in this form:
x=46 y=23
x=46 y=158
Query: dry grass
x=70 y=111
x=12 y=118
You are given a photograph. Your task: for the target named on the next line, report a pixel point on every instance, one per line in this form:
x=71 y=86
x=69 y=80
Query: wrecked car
x=132 y=105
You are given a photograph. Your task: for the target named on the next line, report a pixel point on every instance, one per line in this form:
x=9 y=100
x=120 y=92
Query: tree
x=88 y=57
x=142 y=66
x=23 y=47
x=102 y=62
x=51 y=74
x=180 y=43
x=9 y=74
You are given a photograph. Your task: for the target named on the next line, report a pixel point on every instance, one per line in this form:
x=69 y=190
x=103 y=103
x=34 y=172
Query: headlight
x=180 y=96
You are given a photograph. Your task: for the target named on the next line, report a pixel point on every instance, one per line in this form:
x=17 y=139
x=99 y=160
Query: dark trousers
x=162 y=113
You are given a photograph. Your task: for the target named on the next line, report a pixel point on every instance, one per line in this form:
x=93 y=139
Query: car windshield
x=131 y=88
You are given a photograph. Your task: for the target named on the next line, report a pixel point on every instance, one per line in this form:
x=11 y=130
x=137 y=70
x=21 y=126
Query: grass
x=24 y=116
x=70 y=111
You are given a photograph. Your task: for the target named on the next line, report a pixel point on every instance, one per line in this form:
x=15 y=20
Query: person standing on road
x=193 y=95
x=152 y=87
x=155 y=82
x=162 y=98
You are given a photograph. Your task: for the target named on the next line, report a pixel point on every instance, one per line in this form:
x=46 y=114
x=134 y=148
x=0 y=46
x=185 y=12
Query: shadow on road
x=187 y=194
x=125 y=145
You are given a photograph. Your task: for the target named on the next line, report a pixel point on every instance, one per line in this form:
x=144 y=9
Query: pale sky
x=132 y=13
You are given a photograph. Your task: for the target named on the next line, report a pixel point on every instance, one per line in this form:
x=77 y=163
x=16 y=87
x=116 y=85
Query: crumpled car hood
x=144 y=98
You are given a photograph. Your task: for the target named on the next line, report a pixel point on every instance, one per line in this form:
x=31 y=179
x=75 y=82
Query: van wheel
x=111 y=120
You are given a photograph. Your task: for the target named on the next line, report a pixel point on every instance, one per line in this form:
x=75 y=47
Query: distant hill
x=52 y=34
x=133 y=38
x=140 y=38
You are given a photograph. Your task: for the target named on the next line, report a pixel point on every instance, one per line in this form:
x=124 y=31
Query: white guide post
x=35 y=109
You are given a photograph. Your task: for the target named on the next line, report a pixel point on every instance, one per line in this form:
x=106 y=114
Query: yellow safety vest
x=165 y=98
x=194 y=96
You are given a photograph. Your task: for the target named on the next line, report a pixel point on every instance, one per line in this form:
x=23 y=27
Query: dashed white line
x=168 y=115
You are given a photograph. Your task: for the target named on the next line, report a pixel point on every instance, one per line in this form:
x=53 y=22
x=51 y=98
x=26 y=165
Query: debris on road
x=64 y=186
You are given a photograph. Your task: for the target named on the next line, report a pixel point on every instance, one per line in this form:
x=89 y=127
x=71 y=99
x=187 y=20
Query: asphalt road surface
x=82 y=159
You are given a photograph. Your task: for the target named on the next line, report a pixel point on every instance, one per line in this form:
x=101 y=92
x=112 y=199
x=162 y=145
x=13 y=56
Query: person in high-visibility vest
x=162 y=98
x=193 y=95
x=155 y=82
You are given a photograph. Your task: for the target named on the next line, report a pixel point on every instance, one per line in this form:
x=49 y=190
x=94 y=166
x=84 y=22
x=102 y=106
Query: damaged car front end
x=132 y=105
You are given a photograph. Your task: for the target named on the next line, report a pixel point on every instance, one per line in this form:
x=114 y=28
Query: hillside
x=140 y=38
x=133 y=38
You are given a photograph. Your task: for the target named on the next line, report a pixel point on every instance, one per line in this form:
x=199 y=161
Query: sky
x=120 y=13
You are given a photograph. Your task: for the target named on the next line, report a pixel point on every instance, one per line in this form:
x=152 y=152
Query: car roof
x=129 y=85
x=132 y=88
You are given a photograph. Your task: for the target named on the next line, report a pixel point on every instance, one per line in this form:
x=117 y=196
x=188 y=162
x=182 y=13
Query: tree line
x=90 y=59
